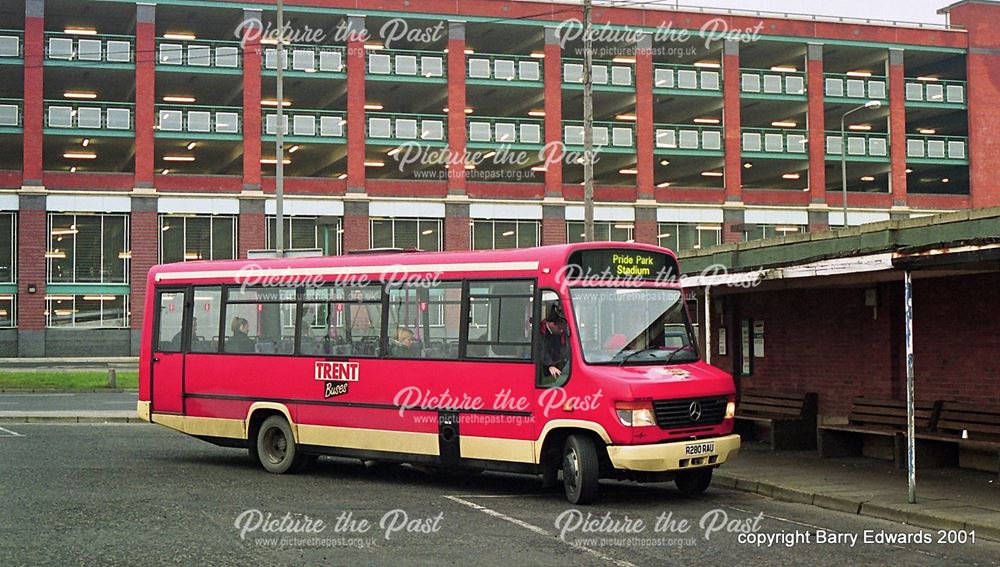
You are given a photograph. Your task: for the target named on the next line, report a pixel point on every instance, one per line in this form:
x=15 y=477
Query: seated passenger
x=402 y=346
x=239 y=341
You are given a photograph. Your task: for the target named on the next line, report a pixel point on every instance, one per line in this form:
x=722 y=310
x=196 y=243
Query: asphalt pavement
x=140 y=494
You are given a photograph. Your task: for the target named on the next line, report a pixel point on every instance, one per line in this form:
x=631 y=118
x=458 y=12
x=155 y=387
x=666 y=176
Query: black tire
x=550 y=476
x=693 y=482
x=581 y=469
x=276 y=449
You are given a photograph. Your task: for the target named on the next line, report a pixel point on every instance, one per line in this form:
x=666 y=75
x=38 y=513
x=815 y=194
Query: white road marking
x=10 y=433
x=540 y=531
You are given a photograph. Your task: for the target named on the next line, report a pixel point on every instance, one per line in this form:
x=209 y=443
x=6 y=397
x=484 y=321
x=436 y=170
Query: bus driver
x=555 y=349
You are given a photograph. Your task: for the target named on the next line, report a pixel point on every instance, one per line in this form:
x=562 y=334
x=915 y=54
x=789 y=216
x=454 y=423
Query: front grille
x=674 y=414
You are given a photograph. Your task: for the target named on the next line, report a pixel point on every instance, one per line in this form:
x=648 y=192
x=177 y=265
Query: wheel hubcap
x=571 y=470
x=275 y=445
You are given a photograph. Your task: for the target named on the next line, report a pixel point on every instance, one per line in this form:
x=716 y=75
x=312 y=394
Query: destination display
x=621 y=263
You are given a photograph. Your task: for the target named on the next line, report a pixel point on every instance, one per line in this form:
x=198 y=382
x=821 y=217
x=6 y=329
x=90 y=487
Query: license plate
x=699 y=448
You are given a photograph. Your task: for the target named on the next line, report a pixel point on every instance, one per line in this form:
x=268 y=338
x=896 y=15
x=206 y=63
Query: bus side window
x=205 y=319
x=499 y=320
x=169 y=335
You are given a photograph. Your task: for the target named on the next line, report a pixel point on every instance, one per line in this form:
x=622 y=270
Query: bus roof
x=522 y=262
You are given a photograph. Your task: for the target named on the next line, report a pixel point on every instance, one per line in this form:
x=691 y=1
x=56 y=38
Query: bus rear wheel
x=276 y=448
x=693 y=482
x=581 y=469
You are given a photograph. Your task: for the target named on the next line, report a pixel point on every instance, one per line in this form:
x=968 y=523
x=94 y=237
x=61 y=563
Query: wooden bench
x=876 y=428
x=973 y=429
x=785 y=420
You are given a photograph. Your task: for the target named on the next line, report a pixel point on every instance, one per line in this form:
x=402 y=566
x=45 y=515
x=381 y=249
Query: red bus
x=577 y=358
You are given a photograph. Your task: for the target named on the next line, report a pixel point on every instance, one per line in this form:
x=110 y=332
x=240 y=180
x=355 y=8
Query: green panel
x=8 y=288
x=937 y=161
x=874 y=159
x=406 y=79
x=90 y=133
x=500 y=83
x=497 y=145
x=198 y=70
x=307 y=139
x=774 y=96
x=11 y=61
x=679 y=152
x=304 y=75
x=688 y=92
x=947 y=105
x=79 y=289
x=844 y=100
x=198 y=136
x=89 y=65
x=775 y=155
x=605 y=149
x=10 y=130
x=397 y=141
x=606 y=88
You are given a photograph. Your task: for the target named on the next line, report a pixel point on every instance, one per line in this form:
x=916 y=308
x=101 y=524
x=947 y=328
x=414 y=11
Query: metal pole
x=279 y=143
x=708 y=324
x=911 y=452
x=843 y=160
x=588 y=126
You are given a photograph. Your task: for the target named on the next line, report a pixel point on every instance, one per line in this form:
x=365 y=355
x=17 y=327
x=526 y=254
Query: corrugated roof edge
x=966 y=226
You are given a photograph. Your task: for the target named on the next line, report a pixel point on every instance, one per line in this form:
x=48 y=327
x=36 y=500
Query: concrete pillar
x=33 y=238
x=145 y=95
x=897 y=128
x=33 y=106
x=644 y=141
x=356 y=105
x=456 y=226
x=553 y=112
x=456 y=108
x=251 y=104
x=731 y=119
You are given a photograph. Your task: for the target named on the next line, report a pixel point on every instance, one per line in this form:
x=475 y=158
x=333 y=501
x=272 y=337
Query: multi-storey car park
x=137 y=133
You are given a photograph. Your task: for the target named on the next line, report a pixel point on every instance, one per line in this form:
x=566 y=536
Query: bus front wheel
x=276 y=447
x=581 y=469
x=693 y=482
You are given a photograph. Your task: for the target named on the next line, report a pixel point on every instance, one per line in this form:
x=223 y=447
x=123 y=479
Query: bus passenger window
x=205 y=320
x=171 y=316
x=500 y=320
x=342 y=321
x=260 y=321
x=424 y=321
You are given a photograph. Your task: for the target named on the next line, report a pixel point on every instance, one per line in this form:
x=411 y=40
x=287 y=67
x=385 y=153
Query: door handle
x=156 y=359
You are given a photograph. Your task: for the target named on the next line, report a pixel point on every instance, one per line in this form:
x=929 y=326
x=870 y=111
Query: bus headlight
x=730 y=409
x=636 y=414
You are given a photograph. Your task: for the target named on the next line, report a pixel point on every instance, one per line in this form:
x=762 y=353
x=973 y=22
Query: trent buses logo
x=341 y=371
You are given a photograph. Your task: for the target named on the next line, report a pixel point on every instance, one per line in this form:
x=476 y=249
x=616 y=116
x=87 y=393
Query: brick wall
x=356 y=226
x=553 y=231
x=145 y=233
x=456 y=228
x=251 y=232
x=32 y=239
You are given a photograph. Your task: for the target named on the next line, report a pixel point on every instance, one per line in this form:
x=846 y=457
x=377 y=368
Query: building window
x=89 y=311
x=685 y=236
x=422 y=234
x=603 y=231
x=8 y=318
x=184 y=238
x=8 y=248
x=308 y=232
x=496 y=234
x=761 y=231
x=88 y=248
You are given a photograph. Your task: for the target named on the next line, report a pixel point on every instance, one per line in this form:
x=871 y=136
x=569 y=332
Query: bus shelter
x=903 y=311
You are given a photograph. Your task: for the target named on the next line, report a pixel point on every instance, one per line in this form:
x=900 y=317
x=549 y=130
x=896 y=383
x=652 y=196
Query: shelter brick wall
x=827 y=341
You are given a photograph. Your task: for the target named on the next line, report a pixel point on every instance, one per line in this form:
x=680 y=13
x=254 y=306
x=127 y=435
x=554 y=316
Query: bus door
x=172 y=334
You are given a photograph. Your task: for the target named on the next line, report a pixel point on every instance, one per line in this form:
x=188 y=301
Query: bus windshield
x=633 y=326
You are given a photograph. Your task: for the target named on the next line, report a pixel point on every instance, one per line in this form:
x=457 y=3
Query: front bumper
x=664 y=457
